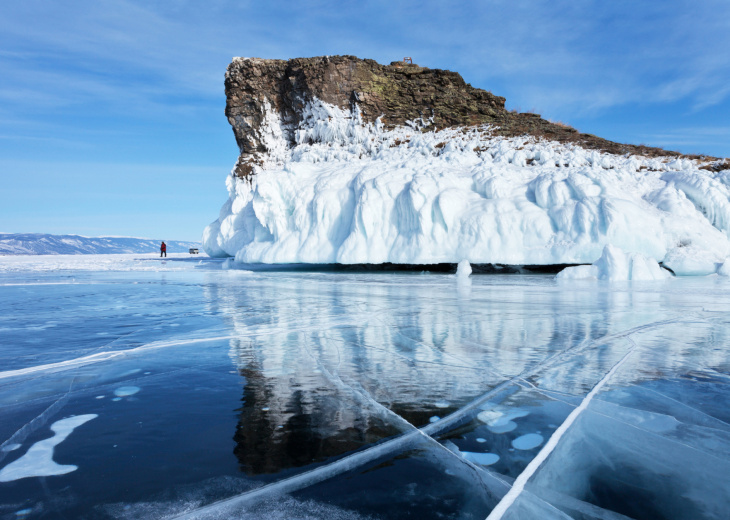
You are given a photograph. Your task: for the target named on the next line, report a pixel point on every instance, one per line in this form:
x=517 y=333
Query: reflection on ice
x=376 y=395
x=435 y=351
x=301 y=426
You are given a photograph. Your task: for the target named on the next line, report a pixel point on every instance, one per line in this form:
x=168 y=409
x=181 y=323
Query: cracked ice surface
x=267 y=393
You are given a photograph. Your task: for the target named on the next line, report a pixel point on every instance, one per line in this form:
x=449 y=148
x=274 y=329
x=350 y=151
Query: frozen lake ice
x=134 y=387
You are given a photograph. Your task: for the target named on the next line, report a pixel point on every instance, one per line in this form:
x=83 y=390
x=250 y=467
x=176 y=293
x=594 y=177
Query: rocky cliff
x=395 y=93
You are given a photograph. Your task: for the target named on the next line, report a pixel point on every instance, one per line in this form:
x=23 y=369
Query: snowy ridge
x=45 y=244
x=336 y=190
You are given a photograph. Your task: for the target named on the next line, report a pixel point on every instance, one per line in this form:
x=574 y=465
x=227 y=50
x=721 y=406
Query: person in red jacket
x=163 y=250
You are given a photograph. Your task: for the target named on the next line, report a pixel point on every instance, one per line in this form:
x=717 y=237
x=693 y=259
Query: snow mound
x=692 y=261
x=344 y=191
x=463 y=270
x=616 y=265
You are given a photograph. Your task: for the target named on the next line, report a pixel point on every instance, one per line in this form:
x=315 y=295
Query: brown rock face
x=397 y=93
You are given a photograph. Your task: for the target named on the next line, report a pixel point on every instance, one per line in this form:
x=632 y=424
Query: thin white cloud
x=562 y=57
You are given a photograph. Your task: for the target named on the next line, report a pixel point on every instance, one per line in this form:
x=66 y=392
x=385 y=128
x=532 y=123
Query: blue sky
x=111 y=112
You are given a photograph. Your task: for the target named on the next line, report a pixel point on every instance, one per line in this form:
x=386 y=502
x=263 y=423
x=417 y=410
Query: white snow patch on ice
x=352 y=192
x=38 y=461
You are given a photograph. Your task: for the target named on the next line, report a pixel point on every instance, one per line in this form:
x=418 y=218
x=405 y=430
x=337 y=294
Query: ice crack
x=519 y=485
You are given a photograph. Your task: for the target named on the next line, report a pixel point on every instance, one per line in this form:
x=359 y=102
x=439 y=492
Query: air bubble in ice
x=502 y=426
x=265 y=409
x=500 y=421
x=483 y=459
x=434 y=419
x=527 y=441
x=100 y=397
x=479 y=439
x=11 y=447
x=442 y=404
x=126 y=391
x=488 y=416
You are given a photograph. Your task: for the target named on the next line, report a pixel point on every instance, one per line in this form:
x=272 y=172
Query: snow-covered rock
x=355 y=196
x=616 y=265
x=334 y=186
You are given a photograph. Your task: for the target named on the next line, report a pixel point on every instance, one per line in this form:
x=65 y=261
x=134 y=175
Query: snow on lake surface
x=260 y=392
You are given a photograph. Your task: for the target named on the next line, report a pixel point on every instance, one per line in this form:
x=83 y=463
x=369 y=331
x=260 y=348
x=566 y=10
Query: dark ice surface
x=205 y=391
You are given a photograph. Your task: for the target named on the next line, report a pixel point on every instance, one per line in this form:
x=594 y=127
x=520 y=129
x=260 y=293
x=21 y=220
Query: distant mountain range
x=44 y=244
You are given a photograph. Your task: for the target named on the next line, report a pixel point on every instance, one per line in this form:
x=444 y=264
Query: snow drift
x=615 y=265
x=349 y=191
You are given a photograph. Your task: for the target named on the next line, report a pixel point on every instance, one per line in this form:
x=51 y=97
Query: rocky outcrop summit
x=395 y=93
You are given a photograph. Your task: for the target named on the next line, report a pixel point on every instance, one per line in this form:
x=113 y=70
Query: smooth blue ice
x=217 y=391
